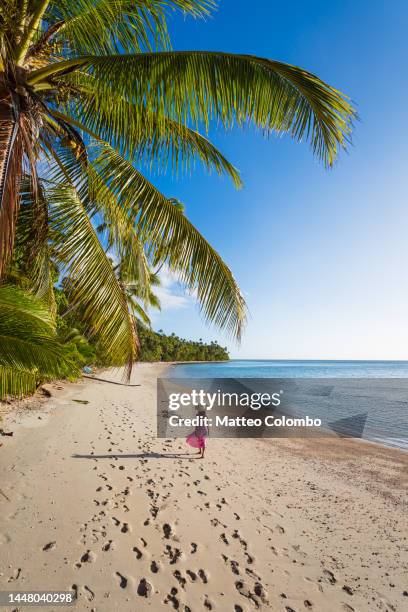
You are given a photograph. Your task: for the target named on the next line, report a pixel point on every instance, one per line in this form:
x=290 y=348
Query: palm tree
x=90 y=92
x=30 y=350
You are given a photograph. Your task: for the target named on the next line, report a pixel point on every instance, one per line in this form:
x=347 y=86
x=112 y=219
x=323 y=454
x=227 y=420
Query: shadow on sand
x=139 y=456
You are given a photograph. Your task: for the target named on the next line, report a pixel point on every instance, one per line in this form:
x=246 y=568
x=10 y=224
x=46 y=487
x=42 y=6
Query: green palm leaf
x=92 y=282
x=170 y=237
x=33 y=243
x=110 y=26
x=200 y=86
x=29 y=347
x=150 y=139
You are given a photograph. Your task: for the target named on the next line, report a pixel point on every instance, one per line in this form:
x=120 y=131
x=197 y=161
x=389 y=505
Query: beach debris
x=113 y=382
x=78 y=401
x=49 y=546
x=6 y=433
x=46 y=390
x=328 y=576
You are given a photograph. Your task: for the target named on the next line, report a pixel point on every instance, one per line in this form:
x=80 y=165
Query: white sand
x=136 y=524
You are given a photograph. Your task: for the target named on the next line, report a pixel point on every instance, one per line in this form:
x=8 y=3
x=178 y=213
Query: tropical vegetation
x=92 y=96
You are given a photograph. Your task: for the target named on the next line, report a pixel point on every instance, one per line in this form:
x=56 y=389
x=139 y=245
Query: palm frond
x=92 y=281
x=32 y=251
x=16 y=382
x=199 y=86
x=30 y=351
x=170 y=237
x=113 y=26
x=101 y=205
x=155 y=141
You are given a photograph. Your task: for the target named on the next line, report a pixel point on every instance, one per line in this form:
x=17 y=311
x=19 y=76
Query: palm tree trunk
x=11 y=157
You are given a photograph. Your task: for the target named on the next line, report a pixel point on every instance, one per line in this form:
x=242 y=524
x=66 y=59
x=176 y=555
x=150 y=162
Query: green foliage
x=91 y=94
x=30 y=349
x=160 y=347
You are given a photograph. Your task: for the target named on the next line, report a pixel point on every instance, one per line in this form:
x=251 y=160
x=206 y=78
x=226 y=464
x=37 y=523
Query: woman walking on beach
x=198 y=438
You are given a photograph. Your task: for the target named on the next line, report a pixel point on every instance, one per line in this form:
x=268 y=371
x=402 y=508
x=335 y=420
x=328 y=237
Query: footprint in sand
x=137 y=552
x=144 y=588
x=250 y=559
x=173 y=553
x=203 y=576
x=171 y=598
x=122 y=581
x=88 y=557
x=245 y=592
x=234 y=567
x=180 y=579
x=90 y=595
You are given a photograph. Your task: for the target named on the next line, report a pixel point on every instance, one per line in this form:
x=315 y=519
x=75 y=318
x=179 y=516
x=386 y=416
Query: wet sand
x=92 y=501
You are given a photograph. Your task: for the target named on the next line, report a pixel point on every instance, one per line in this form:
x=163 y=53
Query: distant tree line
x=85 y=349
x=157 y=346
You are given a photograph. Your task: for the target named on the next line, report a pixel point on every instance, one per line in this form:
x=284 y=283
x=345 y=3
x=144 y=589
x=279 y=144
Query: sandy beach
x=92 y=501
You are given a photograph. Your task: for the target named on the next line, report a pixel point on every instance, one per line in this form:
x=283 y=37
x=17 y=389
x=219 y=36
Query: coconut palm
x=30 y=350
x=90 y=94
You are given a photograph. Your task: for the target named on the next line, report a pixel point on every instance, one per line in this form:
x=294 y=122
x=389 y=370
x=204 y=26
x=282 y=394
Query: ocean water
x=271 y=368
x=384 y=401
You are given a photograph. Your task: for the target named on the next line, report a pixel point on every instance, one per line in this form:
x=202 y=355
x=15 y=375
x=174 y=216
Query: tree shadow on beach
x=138 y=456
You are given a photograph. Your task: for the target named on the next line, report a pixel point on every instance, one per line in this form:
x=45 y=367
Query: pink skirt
x=196 y=441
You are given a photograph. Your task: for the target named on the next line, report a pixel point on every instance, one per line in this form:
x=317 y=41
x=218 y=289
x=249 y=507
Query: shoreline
x=94 y=500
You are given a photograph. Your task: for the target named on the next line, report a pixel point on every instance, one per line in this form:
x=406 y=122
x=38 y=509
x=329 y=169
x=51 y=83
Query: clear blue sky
x=321 y=256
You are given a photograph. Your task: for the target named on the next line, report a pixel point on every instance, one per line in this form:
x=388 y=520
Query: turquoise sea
x=271 y=368
x=385 y=401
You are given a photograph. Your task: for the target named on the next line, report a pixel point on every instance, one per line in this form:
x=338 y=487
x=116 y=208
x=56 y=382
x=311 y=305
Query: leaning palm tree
x=90 y=94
